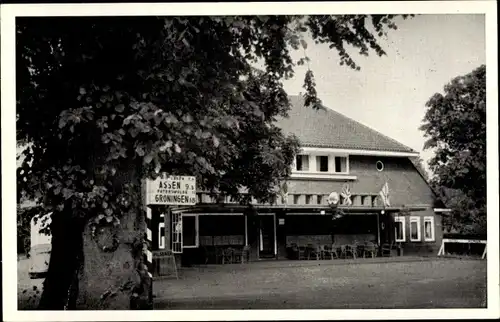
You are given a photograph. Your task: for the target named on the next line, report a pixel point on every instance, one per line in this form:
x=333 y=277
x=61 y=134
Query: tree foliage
x=106 y=102
x=455 y=124
x=419 y=165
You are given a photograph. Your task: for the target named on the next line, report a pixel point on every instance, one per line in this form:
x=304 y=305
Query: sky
x=389 y=93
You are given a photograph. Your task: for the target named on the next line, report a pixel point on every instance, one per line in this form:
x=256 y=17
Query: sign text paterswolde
x=171 y=190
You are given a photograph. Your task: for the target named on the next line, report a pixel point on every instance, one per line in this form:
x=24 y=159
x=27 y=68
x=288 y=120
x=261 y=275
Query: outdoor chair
x=358 y=248
x=313 y=252
x=336 y=250
x=302 y=252
x=245 y=258
x=219 y=255
x=370 y=249
x=227 y=256
x=348 y=250
x=386 y=250
x=330 y=252
x=208 y=254
x=238 y=255
x=294 y=251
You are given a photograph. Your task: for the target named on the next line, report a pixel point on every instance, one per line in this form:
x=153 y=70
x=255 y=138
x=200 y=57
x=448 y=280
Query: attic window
x=380 y=165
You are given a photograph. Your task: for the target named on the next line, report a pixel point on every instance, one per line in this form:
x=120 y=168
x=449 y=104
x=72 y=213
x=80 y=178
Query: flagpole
x=378 y=228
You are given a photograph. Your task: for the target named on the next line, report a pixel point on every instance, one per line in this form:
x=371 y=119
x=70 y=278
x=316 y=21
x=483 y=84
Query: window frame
x=176 y=237
x=313 y=164
x=401 y=220
x=308 y=163
x=335 y=156
x=318 y=162
x=430 y=219
x=197 y=230
x=161 y=240
x=419 y=229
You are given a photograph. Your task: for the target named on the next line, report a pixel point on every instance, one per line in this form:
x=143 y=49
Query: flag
x=284 y=193
x=384 y=195
x=346 y=195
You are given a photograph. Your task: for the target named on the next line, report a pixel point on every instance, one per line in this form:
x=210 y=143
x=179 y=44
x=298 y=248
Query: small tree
x=455 y=124
x=107 y=102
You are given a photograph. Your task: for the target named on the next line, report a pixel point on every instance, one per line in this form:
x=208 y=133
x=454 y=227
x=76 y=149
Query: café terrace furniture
x=348 y=250
x=237 y=255
x=245 y=256
x=313 y=252
x=386 y=250
x=358 y=248
x=302 y=252
x=370 y=249
x=329 y=252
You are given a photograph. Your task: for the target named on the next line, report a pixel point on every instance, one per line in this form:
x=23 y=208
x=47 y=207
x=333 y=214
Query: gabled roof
x=327 y=128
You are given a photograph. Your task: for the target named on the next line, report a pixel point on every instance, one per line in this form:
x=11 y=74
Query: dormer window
x=302 y=162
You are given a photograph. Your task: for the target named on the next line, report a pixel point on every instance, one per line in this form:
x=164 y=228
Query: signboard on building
x=171 y=190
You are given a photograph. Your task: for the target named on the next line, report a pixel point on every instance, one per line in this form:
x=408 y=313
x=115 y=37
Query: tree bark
x=83 y=276
x=65 y=261
x=105 y=274
x=117 y=280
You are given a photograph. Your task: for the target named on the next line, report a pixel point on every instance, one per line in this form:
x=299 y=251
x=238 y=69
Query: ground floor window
x=222 y=230
x=321 y=229
x=415 y=229
x=399 y=229
x=429 y=228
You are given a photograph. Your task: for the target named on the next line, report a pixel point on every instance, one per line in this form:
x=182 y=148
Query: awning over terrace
x=296 y=203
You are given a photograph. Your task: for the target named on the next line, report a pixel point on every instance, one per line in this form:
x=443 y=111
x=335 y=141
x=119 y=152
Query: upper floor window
x=302 y=162
x=322 y=163
x=341 y=164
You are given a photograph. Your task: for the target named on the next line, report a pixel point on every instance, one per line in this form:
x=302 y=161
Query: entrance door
x=267 y=236
x=386 y=229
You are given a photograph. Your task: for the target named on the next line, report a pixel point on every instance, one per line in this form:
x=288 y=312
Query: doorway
x=267 y=236
x=386 y=229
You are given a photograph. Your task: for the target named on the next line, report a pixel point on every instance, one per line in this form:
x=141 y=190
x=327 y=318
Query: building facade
x=384 y=199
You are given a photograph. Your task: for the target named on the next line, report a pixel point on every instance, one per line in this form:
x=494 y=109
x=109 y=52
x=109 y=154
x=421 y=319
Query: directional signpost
x=169 y=191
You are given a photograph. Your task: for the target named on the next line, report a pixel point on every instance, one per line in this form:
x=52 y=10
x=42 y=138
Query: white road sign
x=171 y=190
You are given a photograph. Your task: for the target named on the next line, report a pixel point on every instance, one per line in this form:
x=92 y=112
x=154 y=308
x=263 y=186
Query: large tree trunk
x=108 y=279
x=116 y=280
x=65 y=261
x=83 y=276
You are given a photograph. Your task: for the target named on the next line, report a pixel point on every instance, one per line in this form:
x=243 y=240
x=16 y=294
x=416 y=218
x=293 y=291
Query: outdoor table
x=360 y=250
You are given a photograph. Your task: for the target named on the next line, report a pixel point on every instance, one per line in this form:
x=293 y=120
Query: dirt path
x=425 y=284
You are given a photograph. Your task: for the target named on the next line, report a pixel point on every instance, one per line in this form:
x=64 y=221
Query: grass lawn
x=436 y=283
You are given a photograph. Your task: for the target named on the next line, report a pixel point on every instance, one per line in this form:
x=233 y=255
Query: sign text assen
x=171 y=190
